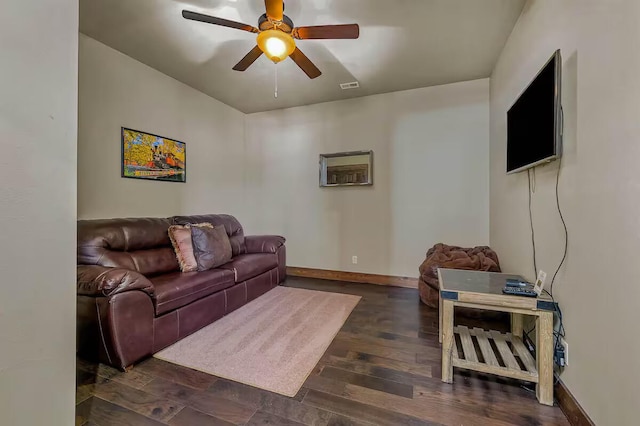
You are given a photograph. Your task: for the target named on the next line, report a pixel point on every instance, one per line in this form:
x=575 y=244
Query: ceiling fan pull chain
x=275 y=94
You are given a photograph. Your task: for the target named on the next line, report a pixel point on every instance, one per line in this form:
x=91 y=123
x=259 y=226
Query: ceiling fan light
x=276 y=45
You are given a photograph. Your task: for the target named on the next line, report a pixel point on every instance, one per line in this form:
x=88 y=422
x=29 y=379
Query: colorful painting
x=147 y=156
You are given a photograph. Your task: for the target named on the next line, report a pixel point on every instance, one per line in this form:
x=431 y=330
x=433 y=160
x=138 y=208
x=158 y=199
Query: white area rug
x=272 y=343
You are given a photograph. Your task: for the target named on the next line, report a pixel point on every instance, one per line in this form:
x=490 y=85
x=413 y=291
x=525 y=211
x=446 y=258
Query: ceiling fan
x=276 y=34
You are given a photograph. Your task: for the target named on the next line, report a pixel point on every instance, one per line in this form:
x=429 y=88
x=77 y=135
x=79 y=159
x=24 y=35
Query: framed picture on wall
x=153 y=157
x=346 y=169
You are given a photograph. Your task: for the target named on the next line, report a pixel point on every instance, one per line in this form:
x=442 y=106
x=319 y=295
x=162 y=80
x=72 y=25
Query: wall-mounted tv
x=534 y=122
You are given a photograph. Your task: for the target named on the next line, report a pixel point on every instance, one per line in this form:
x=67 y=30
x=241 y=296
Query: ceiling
x=403 y=44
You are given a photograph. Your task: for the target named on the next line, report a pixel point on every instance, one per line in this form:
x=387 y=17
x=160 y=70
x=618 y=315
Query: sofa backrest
x=140 y=244
x=231 y=225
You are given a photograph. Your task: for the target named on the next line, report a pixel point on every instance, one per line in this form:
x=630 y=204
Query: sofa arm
x=94 y=280
x=263 y=243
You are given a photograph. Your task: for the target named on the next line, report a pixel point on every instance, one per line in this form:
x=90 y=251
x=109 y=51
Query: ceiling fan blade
x=249 y=59
x=327 y=32
x=305 y=64
x=194 y=16
x=275 y=9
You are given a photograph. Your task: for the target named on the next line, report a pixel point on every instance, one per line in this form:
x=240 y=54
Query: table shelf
x=489 y=351
x=495 y=353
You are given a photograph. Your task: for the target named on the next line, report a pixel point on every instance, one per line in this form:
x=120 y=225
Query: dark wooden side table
x=499 y=352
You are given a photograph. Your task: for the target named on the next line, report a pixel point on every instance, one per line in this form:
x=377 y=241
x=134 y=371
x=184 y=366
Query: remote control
x=520 y=291
x=516 y=283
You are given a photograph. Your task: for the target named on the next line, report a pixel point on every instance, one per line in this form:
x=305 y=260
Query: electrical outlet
x=565 y=345
x=354 y=260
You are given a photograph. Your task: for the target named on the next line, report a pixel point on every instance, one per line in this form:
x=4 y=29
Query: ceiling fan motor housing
x=286 y=25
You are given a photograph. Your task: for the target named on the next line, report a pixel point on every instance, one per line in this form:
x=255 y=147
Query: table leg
x=440 y=318
x=447 y=340
x=517 y=324
x=544 y=352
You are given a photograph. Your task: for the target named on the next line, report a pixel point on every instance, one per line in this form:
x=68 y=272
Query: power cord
x=564 y=224
x=566 y=232
x=533 y=238
x=561 y=331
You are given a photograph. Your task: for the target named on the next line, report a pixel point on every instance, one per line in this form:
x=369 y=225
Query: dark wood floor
x=383 y=368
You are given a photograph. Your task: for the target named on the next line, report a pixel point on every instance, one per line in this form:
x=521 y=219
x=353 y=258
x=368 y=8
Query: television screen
x=533 y=122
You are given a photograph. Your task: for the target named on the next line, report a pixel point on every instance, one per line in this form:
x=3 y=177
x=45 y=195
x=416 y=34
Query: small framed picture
x=153 y=157
x=346 y=169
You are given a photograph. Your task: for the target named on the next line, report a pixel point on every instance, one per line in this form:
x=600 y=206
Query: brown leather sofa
x=132 y=299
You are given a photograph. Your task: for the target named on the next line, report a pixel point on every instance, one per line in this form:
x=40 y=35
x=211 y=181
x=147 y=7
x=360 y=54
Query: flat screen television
x=534 y=122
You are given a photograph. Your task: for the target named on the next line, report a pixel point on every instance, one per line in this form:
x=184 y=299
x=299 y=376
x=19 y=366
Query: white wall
x=38 y=110
x=117 y=91
x=430 y=172
x=430 y=145
x=598 y=289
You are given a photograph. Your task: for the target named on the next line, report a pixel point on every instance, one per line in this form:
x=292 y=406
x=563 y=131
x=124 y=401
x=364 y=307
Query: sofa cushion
x=140 y=245
x=247 y=266
x=263 y=243
x=180 y=236
x=211 y=247
x=178 y=289
x=230 y=223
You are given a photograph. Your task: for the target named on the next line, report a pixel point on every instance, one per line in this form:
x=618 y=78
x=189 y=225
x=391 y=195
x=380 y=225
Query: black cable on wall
x=533 y=237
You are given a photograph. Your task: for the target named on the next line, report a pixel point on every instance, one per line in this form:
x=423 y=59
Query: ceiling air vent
x=352 y=85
